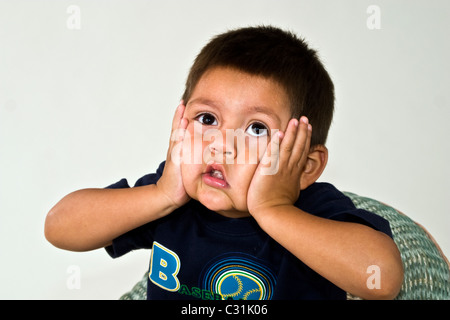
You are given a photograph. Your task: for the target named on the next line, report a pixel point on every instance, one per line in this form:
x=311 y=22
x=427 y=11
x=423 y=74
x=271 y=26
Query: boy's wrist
x=266 y=210
x=167 y=205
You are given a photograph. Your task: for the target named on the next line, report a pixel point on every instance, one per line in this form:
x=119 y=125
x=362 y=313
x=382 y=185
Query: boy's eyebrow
x=262 y=109
x=203 y=101
x=254 y=109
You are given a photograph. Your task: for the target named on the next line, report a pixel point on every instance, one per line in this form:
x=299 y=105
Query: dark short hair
x=276 y=54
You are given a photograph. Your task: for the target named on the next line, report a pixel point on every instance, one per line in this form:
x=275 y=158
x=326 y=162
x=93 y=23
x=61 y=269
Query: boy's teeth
x=217 y=174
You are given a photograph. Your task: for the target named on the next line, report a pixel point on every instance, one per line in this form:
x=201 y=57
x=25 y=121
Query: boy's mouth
x=214 y=176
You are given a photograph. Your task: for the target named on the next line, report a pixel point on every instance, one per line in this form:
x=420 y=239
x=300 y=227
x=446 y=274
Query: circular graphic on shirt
x=238 y=276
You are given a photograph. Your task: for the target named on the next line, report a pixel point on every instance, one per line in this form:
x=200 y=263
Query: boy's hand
x=273 y=188
x=171 y=184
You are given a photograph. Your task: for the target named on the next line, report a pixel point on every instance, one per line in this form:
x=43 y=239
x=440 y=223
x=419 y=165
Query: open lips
x=214 y=176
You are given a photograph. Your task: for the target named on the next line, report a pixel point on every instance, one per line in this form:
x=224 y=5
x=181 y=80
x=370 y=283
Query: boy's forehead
x=254 y=93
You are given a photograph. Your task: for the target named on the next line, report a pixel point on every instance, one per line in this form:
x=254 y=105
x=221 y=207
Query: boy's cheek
x=192 y=148
x=190 y=173
x=255 y=149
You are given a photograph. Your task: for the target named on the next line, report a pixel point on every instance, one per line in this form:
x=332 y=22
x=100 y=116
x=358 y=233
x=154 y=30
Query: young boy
x=235 y=211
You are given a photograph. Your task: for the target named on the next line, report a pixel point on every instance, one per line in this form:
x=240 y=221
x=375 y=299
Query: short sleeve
x=139 y=238
x=148 y=179
x=324 y=200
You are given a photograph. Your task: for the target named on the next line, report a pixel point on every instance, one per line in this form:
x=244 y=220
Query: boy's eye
x=207 y=119
x=257 y=129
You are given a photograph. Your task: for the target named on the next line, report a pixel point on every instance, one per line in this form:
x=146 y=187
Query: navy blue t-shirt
x=199 y=254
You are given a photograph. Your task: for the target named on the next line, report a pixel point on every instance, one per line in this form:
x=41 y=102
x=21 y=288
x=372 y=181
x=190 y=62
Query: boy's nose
x=222 y=146
x=217 y=150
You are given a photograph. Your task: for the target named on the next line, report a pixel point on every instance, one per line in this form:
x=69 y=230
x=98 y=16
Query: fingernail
x=304 y=119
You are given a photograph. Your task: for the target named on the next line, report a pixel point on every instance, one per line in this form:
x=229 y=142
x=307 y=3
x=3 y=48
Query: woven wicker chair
x=426 y=269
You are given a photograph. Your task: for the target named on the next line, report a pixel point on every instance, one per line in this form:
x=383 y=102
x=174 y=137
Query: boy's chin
x=214 y=202
x=222 y=206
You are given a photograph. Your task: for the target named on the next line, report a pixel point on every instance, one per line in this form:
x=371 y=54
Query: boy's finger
x=178 y=115
x=302 y=142
x=179 y=125
x=183 y=124
x=287 y=145
x=272 y=153
x=176 y=142
x=179 y=132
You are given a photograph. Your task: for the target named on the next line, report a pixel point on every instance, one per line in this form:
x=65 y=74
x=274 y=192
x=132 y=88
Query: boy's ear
x=315 y=164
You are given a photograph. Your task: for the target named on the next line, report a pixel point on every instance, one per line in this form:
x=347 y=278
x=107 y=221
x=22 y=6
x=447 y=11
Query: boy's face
x=231 y=117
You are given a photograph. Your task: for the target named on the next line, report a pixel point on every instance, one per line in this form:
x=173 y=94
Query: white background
x=86 y=107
